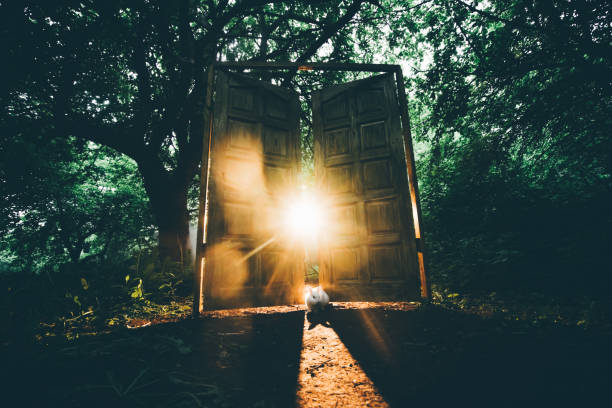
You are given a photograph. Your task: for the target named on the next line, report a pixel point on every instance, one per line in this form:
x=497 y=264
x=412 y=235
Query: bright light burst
x=304 y=216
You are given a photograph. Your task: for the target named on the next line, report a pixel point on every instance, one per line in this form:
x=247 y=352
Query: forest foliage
x=102 y=109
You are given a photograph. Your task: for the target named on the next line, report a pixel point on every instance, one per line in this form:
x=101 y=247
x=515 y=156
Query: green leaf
x=137 y=291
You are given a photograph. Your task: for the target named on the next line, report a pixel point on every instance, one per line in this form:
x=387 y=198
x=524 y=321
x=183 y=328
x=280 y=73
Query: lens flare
x=304 y=216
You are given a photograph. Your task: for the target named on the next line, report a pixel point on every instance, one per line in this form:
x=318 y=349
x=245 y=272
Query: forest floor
x=356 y=355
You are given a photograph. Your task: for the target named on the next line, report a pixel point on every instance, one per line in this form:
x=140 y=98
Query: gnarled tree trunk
x=168 y=198
x=173 y=222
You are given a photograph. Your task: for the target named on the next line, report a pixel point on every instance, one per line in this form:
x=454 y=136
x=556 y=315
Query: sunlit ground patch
x=329 y=375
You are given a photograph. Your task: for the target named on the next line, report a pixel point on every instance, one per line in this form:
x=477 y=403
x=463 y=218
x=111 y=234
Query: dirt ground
x=356 y=355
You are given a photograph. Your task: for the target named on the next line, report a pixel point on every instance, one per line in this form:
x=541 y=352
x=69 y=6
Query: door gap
x=307 y=179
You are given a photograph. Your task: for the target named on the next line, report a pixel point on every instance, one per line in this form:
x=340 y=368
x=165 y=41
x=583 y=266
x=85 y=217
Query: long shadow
x=274 y=360
x=437 y=357
x=261 y=369
x=231 y=361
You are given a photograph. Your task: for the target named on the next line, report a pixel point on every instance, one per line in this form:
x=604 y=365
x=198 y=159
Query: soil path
x=329 y=375
x=357 y=355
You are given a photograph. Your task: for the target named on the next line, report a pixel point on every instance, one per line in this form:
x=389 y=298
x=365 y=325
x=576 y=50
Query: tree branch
x=123 y=140
x=331 y=30
x=296 y=17
x=144 y=79
x=327 y=33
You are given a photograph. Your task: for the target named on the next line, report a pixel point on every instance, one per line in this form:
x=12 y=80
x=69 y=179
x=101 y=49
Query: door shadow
x=250 y=360
x=262 y=368
x=438 y=357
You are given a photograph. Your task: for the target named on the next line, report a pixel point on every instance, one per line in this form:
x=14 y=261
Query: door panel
x=254 y=161
x=370 y=250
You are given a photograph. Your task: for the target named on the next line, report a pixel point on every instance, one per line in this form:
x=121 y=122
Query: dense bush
x=513 y=113
x=77 y=236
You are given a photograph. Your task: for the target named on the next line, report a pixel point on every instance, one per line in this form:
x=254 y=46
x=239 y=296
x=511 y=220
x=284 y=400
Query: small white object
x=316 y=299
x=311 y=298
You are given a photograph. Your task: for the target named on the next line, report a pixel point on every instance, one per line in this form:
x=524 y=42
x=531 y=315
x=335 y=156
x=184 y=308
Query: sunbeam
x=329 y=375
x=256 y=250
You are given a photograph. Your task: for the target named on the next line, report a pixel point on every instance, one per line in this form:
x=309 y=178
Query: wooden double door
x=368 y=249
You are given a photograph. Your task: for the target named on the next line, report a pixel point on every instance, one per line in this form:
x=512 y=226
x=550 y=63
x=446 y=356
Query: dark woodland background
x=102 y=112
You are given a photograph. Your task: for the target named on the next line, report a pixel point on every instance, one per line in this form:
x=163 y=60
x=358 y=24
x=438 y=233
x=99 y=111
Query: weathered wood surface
x=408 y=151
x=201 y=231
x=370 y=252
x=254 y=165
x=330 y=66
x=413 y=184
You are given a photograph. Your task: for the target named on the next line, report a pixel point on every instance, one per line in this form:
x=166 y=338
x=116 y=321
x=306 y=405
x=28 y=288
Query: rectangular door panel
x=254 y=160
x=370 y=249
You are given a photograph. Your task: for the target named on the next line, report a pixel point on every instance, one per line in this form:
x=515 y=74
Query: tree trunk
x=75 y=252
x=174 y=236
x=173 y=222
x=168 y=200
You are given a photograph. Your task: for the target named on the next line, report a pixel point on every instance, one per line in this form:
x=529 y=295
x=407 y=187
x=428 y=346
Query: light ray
x=330 y=376
x=256 y=250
